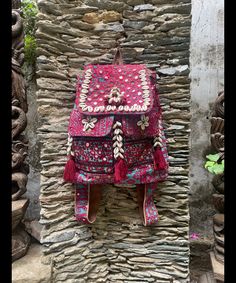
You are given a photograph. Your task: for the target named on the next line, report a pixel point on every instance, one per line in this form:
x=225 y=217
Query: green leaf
x=30 y=49
x=218 y=169
x=209 y=164
x=210 y=169
x=213 y=157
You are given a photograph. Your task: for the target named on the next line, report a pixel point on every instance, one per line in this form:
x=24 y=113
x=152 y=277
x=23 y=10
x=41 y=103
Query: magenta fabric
x=117 y=120
x=94 y=148
x=95 y=162
x=102 y=127
x=104 y=77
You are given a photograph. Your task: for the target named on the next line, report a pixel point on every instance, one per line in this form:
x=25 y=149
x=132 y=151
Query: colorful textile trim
x=95 y=162
x=82 y=203
x=147 y=208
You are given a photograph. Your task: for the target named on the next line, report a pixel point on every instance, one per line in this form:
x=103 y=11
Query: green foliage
x=30 y=49
x=213 y=164
x=29 y=9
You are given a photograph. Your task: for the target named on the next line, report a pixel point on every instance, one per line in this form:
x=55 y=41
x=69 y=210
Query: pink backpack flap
x=115 y=130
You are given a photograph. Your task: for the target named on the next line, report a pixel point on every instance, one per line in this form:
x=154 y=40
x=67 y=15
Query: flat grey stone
x=145 y=7
x=30 y=269
x=34 y=228
x=134 y=24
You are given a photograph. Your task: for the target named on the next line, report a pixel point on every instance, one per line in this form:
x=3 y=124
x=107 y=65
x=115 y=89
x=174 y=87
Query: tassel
x=159 y=160
x=121 y=170
x=70 y=170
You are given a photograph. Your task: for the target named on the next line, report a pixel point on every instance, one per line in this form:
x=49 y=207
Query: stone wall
x=116 y=248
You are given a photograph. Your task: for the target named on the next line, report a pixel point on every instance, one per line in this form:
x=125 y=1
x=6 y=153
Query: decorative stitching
x=89 y=123
x=158 y=140
x=69 y=145
x=143 y=123
x=116 y=96
x=118 y=141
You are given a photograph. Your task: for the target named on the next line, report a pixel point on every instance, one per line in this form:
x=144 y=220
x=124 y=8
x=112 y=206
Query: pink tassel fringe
x=121 y=170
x=159 y=160
x=70 y=170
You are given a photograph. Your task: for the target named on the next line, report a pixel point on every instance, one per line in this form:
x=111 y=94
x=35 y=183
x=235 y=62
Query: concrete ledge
x=30 y=268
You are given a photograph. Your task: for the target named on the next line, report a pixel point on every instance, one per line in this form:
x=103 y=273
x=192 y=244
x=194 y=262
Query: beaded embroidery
x=89 y=123
x=116 y=133
x=134 y=93
x=143 y=123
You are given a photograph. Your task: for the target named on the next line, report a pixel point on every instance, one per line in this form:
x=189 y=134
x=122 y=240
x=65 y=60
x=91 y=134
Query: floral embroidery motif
x=143 y=123
x=89 y=123
x=94 y=156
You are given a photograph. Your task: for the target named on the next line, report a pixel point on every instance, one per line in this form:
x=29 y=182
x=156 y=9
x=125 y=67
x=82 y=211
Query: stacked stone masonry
x=117 y=247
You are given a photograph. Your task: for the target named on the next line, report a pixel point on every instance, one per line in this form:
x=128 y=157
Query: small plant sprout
x=214 y=164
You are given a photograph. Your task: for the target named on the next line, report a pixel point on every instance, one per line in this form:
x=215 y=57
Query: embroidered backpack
x=115 y=136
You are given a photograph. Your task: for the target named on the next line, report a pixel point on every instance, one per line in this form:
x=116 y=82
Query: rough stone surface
x=116 y=248
x=30 y=268
x=20 y=243
x=34 y=228
x=200 y=258
x=18 y=208
x=147 y=7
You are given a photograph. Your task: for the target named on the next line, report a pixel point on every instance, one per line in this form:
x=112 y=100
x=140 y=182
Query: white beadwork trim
x=118 y=95
x=158 y=141
x=121 y=108
x=118 y=140
x=108 y=108
x=69 y=145
x=84 y=91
